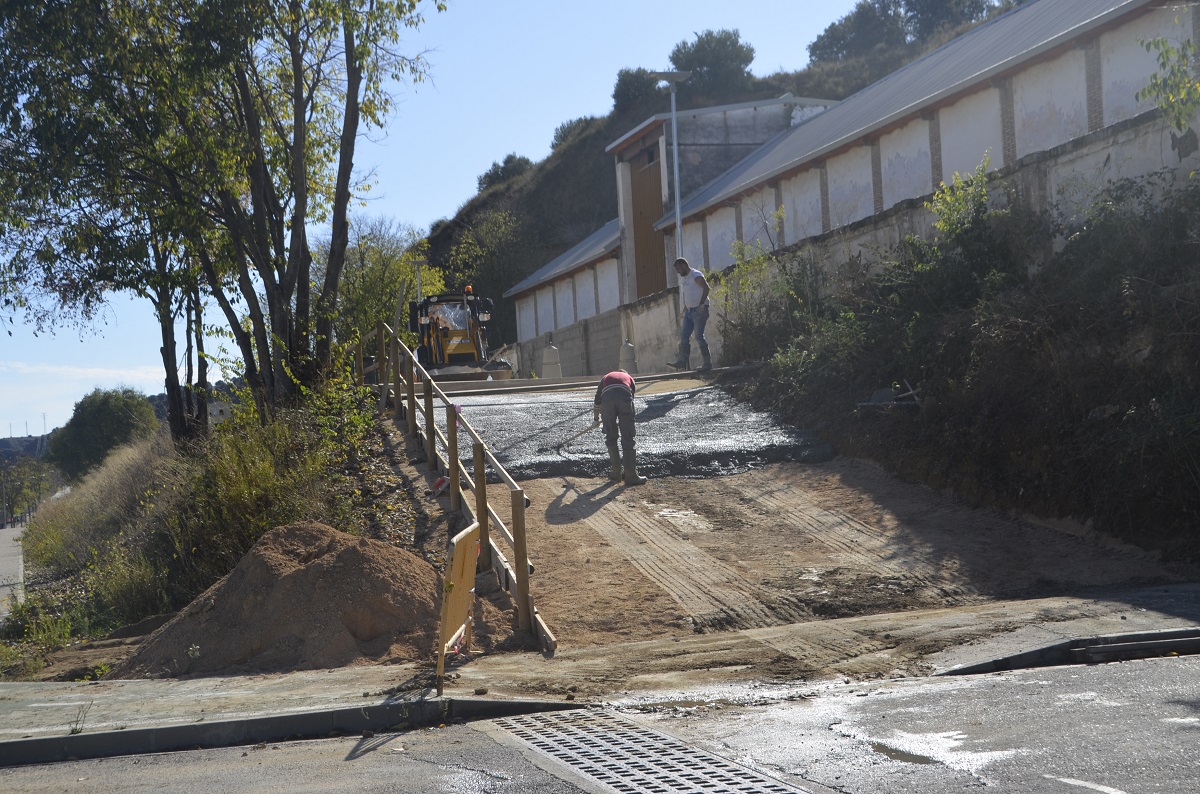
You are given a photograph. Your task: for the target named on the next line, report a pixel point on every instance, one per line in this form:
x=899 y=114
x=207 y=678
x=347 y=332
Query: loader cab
x=451 y=329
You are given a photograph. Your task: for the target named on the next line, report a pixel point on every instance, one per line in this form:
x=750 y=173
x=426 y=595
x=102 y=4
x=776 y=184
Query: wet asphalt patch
x=700 y=432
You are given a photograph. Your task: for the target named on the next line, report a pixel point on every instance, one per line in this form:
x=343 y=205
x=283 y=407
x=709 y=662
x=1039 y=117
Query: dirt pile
x=307 y=596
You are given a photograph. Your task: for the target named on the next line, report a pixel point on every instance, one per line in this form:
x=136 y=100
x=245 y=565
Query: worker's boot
x=681 y=360
x=631 y=475
x=707 y=365
x=615 y=472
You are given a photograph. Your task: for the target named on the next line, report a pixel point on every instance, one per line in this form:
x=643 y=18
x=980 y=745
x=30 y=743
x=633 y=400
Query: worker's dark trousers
x=616 y=417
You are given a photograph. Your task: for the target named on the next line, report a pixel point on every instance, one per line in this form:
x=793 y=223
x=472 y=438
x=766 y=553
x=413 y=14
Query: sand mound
x=306 y=597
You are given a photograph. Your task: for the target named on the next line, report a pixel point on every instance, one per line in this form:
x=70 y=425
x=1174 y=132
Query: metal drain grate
x=634 y=760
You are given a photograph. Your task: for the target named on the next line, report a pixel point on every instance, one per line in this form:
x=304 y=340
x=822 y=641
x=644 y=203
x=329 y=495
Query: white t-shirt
x=689 y=290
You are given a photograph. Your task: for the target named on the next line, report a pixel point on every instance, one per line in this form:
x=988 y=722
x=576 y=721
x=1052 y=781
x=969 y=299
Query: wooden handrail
x=397 y=360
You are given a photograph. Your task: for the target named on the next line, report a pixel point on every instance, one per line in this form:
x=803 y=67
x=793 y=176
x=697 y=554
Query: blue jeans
x=694 y=320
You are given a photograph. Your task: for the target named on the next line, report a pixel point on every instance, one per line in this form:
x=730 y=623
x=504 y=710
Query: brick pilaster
x=877 y=176
x=826 y=225
x=1095 y=85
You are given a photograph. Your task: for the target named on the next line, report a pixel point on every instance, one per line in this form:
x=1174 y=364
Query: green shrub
x=153 y=526
x=1064 y=384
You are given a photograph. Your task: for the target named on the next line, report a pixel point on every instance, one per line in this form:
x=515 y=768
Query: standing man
x=614 y=405
x=693 y=295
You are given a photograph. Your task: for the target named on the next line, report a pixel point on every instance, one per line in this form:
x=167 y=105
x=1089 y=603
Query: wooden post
x=359 y=380
x=430 y=425
x=521 y=563
x=397 y=361
x=452 y=456
x=481 y=508
x=381 y=368
x=410 y=386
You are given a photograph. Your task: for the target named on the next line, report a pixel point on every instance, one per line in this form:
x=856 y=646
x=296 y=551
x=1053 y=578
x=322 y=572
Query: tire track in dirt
x=715 y=596
x=856 y=545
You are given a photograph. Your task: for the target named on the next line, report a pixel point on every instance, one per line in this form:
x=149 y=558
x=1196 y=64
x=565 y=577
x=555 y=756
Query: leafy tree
x=381 y=275
x=1173 y=88
x=719 y=62
x=870 y=24
x=180 y=137
x=102 y=421
x=495 y=252
x=27 y=480
x=513 y=166
x=568 y=129
x=634 y=88
x=925 y=17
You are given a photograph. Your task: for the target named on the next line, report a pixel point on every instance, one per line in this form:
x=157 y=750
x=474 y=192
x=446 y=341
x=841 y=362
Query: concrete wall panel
x=851 y=188
x=564 y=302
x=693 y=246
x=526 y=318
x=722 y=232
x=906 y=163
x=545 y=309
x=585 y=293
x=971 y=131
x=1125 y=66
x=759 y=224
x=802 y=205
x=604 y=342
x=608 y=278
x=1050 y=102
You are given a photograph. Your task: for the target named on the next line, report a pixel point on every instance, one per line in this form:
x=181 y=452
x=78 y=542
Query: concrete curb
x=1092 y=650
x=388 y=716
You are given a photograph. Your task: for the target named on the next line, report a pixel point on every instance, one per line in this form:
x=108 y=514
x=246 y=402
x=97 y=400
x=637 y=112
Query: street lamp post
x=673 y=79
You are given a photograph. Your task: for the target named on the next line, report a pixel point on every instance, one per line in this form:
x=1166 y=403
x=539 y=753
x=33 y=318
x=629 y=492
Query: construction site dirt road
x=781 y=570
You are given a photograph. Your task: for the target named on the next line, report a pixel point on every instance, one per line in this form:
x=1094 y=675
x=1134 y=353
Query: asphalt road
x=1121 y=728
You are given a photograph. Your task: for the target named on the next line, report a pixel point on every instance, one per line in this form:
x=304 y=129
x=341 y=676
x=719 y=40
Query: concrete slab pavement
x=42 y=722
x=56 y=721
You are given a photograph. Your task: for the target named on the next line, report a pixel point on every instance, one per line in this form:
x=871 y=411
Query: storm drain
x=626 y=757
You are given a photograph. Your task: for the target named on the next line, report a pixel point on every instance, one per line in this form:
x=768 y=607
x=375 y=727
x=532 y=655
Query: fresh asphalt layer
x=692 y=432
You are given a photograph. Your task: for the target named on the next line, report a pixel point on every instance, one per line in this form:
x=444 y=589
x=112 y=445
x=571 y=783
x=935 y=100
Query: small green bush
x=153 y=526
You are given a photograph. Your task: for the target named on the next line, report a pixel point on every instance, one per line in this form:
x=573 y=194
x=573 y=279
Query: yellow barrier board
x=458 y=597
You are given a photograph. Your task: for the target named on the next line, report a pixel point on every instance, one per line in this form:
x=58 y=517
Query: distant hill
x=524 y=222
x=28 y=446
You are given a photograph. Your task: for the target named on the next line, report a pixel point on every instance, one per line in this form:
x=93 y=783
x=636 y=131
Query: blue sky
x=503 y=77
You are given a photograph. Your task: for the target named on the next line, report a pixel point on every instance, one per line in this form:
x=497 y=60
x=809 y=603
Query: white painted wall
x=1050 y=103
x=758 y=219
x=585 y=293
x=608 y=275
x=970 y=131
x=904 y=155
x=851 y=196
x=802 y=205
x=693 y=245
x=722 y=231
x=526 y=318
x=545 y=309
x=564 y=302
x=1125 y=66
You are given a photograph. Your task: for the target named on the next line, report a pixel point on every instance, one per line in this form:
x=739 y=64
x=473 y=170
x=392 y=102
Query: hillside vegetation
x=1056 y=364
x=528 y=213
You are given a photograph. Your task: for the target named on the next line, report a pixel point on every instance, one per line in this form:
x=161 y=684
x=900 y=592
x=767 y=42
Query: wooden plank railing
x=398 y=377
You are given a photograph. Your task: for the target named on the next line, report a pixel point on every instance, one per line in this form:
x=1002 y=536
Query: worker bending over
x=614 y=408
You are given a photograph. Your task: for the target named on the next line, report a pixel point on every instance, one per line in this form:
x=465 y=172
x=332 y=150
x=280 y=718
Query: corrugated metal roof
x=597 y=245
x=975 y=57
